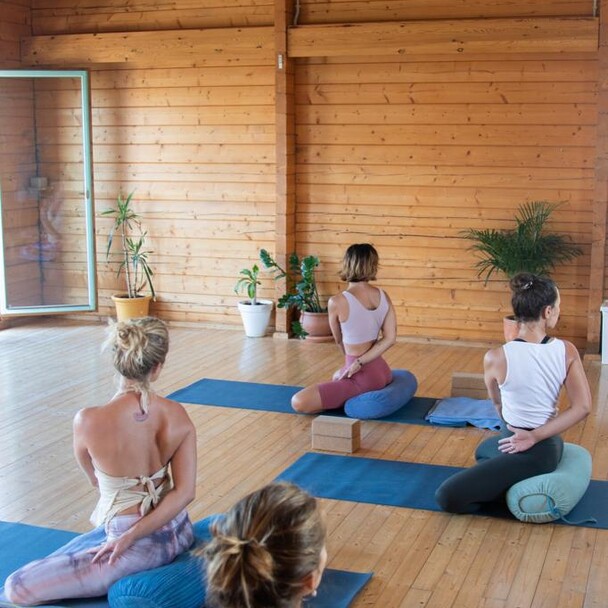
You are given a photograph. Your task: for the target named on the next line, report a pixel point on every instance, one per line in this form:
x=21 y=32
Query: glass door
x=47 y=236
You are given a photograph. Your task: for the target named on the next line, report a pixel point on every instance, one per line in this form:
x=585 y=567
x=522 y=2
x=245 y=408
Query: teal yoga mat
x=277 y=398
x=411 y=485
x=22 y=543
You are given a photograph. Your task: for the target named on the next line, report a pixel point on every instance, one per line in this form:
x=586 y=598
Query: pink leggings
x=69 y=573
x=371 y=377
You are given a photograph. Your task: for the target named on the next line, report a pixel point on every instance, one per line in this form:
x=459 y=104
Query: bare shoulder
x=572 y=353
x=86 y=416
x=493 y=357
x=336 y=303
x=176 y=413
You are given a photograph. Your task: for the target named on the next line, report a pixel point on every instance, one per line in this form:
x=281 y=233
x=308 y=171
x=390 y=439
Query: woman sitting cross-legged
x=364 y=326
x=139 y=450
x=524 y=378
x=267 y=550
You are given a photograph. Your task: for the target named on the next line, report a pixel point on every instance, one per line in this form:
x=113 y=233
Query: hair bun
x=249 y=556
x=522 y=281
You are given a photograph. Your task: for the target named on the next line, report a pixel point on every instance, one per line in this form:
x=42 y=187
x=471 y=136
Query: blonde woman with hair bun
x=139 y=451
x=267 y=550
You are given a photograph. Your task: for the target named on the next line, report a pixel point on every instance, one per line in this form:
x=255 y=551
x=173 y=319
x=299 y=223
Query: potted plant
x=525 y=248
x=132 y=262
x=302 y=293
x=255 y=313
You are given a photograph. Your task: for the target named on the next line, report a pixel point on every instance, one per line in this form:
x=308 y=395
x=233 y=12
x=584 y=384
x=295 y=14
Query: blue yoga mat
x=411 y=485
x=22 y=543
x=277 y=398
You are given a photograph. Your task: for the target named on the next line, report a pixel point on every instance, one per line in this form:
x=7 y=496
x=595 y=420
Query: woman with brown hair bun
x=524 y=378
x=267 y=550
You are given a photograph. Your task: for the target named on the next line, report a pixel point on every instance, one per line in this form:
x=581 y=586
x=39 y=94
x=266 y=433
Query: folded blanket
x=460 y=411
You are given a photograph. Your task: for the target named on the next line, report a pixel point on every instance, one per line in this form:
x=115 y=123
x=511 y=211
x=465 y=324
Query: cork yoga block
x=468 y=385
x=336 y=434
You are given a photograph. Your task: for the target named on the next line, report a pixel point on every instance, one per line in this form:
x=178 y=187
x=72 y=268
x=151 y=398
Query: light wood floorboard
x=49 y=369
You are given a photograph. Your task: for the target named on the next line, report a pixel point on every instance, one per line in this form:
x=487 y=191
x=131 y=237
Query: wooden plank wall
x=195 y=144
x=17 y=162
x=194 y=141
x=399 y=151
x=407 y=153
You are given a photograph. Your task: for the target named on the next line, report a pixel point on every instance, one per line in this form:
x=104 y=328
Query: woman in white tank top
x=524 y=379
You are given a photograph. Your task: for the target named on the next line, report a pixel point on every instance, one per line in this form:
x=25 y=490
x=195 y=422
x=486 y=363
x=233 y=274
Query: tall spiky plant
x=134 y=258
x=525 y=248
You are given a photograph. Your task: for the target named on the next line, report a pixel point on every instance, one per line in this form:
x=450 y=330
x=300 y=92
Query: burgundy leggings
x=371 y=377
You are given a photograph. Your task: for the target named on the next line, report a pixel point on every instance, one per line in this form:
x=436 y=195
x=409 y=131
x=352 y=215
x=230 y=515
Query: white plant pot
x=255 y=318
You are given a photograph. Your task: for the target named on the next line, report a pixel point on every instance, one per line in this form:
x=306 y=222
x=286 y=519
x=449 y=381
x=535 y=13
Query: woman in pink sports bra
x=364 y=326
x=139 y=451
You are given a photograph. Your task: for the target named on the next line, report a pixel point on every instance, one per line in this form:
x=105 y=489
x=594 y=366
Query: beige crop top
x=117 y=494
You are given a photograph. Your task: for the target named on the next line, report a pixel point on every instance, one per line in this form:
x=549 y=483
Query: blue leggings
x=495 y=473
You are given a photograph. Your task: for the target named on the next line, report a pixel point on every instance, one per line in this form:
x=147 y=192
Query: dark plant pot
x=317 y=326
x=510 y=327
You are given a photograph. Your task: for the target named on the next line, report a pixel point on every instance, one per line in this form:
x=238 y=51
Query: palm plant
x=525 y=248
x=134 y=257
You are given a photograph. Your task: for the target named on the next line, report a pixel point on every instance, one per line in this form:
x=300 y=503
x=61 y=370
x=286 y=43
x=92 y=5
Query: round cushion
x=376 y=404
x=550 y=496
x=180 y=583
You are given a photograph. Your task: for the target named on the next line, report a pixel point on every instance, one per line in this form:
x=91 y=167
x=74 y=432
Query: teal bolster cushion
x=376 y=404
x=551 y=496
x=180 y=583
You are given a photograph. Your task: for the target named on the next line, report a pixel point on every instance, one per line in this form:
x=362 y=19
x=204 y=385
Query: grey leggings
x=495 y=473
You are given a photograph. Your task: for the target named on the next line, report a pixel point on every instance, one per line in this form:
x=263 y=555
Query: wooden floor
x=51 y=369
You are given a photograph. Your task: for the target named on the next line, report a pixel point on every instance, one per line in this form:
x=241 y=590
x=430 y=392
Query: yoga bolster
x=549 y=497
x=376 y=404
x=180 y=583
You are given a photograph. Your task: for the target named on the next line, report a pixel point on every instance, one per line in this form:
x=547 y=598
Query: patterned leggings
x=70 y=573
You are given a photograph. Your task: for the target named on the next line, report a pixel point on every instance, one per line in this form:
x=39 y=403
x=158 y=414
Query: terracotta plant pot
x=510 y=327
x=131 y=308
x=317 y=326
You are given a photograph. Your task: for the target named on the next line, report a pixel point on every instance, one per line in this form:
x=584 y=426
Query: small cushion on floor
x=553 y=495
x=180 y=583
x=376 y=404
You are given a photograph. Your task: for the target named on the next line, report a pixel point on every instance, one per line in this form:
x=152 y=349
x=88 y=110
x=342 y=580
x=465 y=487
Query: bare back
x=122 y=444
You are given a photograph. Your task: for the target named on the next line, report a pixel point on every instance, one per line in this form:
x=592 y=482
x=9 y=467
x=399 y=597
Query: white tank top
x=535 y=376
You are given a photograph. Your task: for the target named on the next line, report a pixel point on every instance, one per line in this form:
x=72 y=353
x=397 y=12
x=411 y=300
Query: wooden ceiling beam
x=458 y=36
x=175 y=47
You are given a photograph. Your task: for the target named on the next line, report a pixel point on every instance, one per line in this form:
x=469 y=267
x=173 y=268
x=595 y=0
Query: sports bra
x=363 y=325
x=117 y=494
